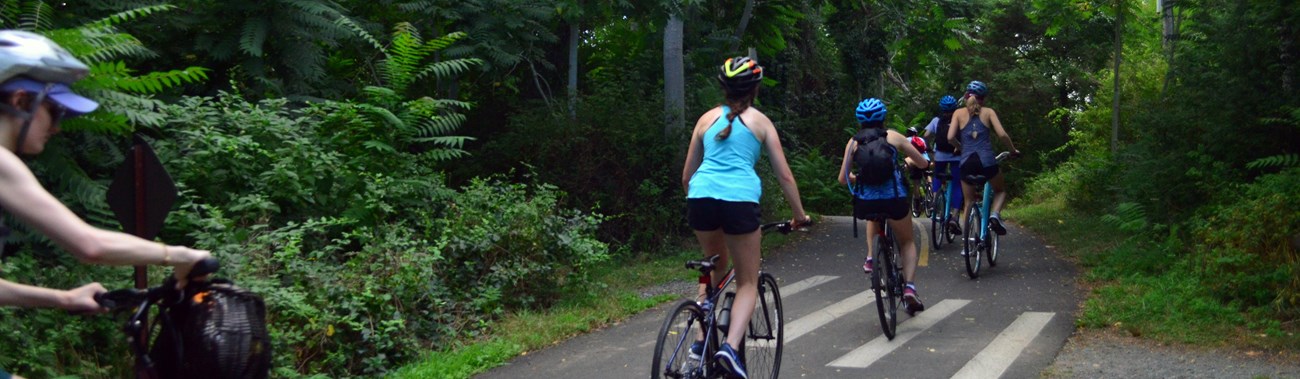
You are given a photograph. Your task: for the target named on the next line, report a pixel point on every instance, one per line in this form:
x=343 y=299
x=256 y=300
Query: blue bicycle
x=980 y=241
x=941 y=211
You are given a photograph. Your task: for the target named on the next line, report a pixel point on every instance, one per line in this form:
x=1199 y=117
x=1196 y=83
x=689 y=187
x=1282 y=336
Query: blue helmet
x=947 y=104
x=871 y=109
x=978 y=88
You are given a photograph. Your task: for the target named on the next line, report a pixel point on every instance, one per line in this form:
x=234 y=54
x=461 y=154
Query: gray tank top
x=976 y=138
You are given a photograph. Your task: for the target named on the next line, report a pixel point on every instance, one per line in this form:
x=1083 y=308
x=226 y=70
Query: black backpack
x=874 y=157
x=941 y=138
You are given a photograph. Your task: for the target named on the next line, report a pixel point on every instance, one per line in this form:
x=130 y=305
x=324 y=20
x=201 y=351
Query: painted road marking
x=876 y=349
x=999 y=354
x=801 y=285
x=823 y=316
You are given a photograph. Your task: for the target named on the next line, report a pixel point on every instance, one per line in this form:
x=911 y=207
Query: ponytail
x=738 y=105
x=973 y=106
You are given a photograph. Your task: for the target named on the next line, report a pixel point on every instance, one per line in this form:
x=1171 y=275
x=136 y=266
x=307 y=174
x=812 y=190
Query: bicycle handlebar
x=785 y=227
x=133 y=297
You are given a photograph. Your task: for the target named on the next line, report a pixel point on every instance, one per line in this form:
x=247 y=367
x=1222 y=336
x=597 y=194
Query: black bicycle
x=694 y=331
x=210 y=329
x=886 y=276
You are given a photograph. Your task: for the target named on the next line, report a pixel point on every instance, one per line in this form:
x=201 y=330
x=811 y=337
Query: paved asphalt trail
x=1009 y=323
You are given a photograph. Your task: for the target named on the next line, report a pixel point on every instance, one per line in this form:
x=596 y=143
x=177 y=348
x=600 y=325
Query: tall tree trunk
x=1119 y=50
x=1170 y=21
x=573 y=70
x=674 y=76
x=744 y=23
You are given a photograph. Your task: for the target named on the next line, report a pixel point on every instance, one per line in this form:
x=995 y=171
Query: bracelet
x=167 y=256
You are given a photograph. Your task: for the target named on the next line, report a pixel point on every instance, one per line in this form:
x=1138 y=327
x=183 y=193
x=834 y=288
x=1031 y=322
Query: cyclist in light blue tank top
x=971 y=131
x=722 y=193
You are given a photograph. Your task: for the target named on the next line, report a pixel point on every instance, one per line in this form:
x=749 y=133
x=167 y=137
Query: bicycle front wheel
x=972 y=244
x=884 y=277
x=765 y=339
x=672 y=357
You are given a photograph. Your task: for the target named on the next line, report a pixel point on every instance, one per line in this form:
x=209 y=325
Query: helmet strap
x=28 y=116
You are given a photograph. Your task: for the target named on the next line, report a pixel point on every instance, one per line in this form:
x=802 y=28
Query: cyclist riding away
x=722 y=192
x=946 y=157
x=970 y=131
x=34 y=97
x=889 y=197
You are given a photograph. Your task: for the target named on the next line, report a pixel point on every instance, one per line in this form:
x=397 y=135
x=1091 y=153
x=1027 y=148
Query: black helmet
x=740 y=74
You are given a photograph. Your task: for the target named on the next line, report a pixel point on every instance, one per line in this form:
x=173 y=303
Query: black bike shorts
x=895 y=209
x=972 y=166
x=734 y=217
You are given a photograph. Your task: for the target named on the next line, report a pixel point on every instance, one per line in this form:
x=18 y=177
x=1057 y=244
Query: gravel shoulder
x=1094 y=353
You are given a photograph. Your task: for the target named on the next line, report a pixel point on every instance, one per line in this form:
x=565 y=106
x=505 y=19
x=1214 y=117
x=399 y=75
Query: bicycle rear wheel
x=992 y=246
x=929 y=199
x=884 y=278
x=972 y=242
x=673 y=346
x=765 y=339
x=938 y=230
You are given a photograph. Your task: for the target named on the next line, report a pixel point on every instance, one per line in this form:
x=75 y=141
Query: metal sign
x=142 y=193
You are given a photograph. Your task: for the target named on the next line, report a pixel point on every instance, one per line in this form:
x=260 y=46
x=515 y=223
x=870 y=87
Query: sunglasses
x=57 y=112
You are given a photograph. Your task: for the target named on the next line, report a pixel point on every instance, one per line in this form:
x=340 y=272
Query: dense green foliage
x=395 y=176
x=1203 y=180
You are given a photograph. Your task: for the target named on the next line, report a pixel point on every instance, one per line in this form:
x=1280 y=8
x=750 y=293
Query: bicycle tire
x=886 y=300
x=929 y=199
x=765 y=339
x=938 y=226
x=675 y=338
x=916 y=200
x=992 y=247
x=972 y=242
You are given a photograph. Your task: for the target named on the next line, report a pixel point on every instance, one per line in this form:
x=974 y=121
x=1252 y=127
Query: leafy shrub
x=509 y=246
x=1250 y=244
x=611 y=157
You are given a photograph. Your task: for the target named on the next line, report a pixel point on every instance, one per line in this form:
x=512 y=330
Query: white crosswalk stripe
x=871 y=352
x=799 y=286
x=994 y=359
x=815 y=320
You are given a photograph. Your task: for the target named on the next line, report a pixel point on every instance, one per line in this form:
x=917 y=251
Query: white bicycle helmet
x=29 y=54
x=32 y=63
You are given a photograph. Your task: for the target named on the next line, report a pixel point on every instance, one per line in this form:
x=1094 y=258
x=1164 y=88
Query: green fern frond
x=439 y=125
x=360 y=32
x=379 y=146
x=384 y=115
x=443 y=42
x=443 y=155
x=1129 y=217
x=1276 y=161
x=38 y=17
x=449 y=68
x=158 y=81
x=253 y=36
x=129 y=15
x=449 y=142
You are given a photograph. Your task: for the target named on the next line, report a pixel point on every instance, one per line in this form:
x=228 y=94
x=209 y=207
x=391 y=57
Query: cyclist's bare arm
x=1002 y=133
x=776 y=154
x=846 y=176
x=904 y=146
x=24 y=197
x=80 y=299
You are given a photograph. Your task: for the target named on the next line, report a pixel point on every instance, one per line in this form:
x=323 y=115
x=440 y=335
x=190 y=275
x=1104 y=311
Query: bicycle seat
x=877 y=217
x=704 y=265
x=942 y=176
x=977 y=180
